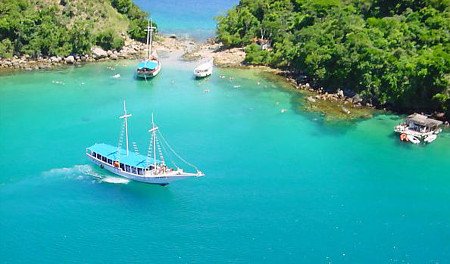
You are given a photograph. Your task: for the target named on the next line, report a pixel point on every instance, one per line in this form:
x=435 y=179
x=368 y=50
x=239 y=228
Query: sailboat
x=151 y=168
x=150 y=66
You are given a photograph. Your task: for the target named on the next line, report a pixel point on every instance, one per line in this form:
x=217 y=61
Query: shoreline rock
x=131 y=50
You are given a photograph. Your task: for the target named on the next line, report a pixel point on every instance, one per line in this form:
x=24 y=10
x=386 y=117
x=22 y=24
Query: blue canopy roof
x=149 y=64
x=133 y=159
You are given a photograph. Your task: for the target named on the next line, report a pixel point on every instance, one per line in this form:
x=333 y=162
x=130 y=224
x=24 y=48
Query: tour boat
x=150 y=66
x=204 y=69
x=417 y=128
x=151 y=168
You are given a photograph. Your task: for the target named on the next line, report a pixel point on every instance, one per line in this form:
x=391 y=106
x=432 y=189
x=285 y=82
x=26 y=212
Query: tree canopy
x=40 y=28
x=393 y=53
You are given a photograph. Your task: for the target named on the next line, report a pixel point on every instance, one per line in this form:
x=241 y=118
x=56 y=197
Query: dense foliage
x=138 y=18
x=39 y=28
x=393 y=53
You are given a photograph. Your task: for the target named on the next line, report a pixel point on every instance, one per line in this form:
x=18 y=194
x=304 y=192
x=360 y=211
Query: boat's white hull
x=413 y=139
x=163 y=179
x=204 y=70
x=149 y=74
x=430 y=138
x=203 y=74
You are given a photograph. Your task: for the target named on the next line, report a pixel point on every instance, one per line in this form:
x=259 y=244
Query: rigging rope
x=170 y=157
x=158 y=146
x=176 y=154
x=149 y=152
x=119 y=143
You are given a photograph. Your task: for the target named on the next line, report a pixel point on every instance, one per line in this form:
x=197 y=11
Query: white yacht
x=205 y=69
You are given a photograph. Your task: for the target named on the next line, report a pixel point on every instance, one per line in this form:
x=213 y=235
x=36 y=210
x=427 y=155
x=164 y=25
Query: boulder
x=98 y=52
x=69 y=59
x=55 y=59
x=311 y=99
x=345 y=110
x=113 y=56
x=356 y=99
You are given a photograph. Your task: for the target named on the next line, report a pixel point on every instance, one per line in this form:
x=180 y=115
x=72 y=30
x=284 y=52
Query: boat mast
x=125 y=117
x=153 y=131
x=150 y=29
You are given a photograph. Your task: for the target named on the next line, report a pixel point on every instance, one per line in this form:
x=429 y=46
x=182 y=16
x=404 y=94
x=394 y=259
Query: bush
x=137 y=28
x=6 y=48
x=109 y=40
x=254 y=55
x=123 y=6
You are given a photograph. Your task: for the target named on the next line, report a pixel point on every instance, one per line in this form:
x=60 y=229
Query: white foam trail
x=115 y=180
x=81 y=172
x=78 y=172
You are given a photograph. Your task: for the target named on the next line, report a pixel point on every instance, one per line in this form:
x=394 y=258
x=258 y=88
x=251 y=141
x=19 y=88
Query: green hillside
x=393 y=53
x=52 y=27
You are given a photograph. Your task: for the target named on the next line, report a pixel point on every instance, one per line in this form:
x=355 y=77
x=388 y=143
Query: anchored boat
x=150 y=66
x=204 y=69
x=151 y=168
x=418 y=128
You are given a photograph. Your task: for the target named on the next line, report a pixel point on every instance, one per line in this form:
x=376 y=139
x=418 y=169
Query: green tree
x=81 y=37
x=109 y=40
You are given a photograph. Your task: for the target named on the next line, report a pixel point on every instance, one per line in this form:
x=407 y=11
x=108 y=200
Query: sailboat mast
x=153 y=140
x=148 y=39
x=151 y=38
x=154 y=144
x=125 y=117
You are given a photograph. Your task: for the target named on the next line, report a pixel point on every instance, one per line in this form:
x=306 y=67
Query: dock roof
x=133 y=159
x=424 y=120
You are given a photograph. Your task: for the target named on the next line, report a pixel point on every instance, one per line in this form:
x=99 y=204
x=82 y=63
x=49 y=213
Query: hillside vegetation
x=63 y=27
x=393 y=53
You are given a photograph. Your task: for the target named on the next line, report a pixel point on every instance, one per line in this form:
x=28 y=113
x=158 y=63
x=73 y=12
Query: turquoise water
x=188 y=18
x=280 y=187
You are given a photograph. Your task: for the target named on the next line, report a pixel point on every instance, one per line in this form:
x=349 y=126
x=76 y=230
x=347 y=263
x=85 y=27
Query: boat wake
x=83 y=172
x=115 y=180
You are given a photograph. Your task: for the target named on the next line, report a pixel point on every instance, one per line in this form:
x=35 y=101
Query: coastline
x=334 y=106
x=331 y=105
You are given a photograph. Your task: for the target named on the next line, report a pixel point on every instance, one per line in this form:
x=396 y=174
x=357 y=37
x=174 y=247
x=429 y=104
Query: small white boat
x=203 y=70
x=151 y=168
x=430 y=138
x=413 y=139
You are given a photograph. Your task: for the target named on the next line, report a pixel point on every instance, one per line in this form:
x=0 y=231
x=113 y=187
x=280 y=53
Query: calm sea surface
x=188 y=18
x=281 y=184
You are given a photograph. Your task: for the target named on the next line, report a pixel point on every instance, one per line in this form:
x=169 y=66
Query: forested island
x=394 y=54
x=60 y=28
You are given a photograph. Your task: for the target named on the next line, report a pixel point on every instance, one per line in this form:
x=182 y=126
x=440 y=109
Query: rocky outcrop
x=98 y=53
x=229 y=57
x=131 y=50
x=69 y=59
